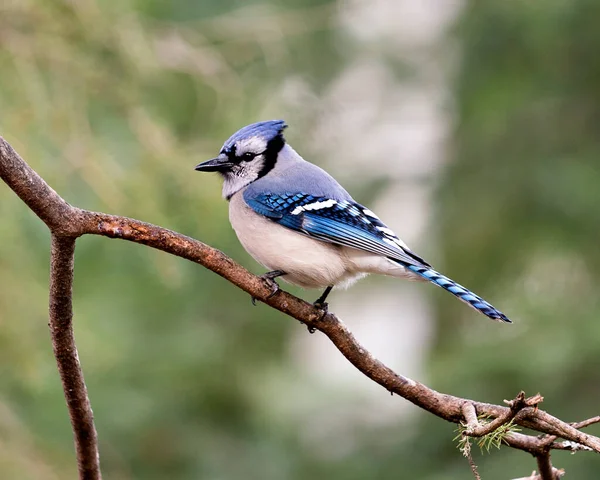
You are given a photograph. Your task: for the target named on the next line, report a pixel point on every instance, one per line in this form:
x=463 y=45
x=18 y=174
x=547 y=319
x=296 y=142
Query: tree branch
x=65 y=352
x=34 y=191
x=67 y=222
x=547 y=471
x=477 y=429
x=586 y=423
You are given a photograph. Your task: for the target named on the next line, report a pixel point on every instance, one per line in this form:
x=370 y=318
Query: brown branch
x=549 y=440
x=477 y=429
x=586 y=423
x=65 y=352
x=34 y=191
x=65 y=221
x=547 y=471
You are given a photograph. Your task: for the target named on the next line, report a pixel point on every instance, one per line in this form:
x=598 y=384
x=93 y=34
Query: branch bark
x=545 y=467
x=477 y=429
x=65 y=352
x=67 y=223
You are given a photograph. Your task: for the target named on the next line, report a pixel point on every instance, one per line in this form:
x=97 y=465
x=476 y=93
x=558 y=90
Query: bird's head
x=248 y=155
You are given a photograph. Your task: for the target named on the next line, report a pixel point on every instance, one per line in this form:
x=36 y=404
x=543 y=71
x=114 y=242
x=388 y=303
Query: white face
x=252 y=145
x=249 y=161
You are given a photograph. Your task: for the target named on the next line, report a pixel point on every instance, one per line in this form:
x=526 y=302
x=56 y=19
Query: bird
x=296 y=220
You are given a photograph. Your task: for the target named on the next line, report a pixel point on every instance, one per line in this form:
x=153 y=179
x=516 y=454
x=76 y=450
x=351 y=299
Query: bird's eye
x=248 y=156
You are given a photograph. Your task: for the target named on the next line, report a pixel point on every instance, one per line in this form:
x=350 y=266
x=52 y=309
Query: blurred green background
x=471 y=127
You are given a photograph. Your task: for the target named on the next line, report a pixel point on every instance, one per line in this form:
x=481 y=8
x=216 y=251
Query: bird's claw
x=324 y=307
x=269 y=281
x=272 y=284
x=321 y=306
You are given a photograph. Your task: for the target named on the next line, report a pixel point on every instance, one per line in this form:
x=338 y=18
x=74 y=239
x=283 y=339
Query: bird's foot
x=321 y=305
x=269 y=280
x=320 y=302
x=324 y=307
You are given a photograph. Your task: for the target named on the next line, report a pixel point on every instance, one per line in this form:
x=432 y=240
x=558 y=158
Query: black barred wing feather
x=340 y=222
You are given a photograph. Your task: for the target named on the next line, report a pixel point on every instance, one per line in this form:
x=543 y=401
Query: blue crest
x=268 y=130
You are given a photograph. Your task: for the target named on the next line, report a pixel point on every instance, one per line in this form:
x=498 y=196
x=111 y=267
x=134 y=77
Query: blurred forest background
x=471 y=127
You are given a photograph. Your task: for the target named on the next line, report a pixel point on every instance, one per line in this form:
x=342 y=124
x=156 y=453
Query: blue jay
x=300 y=223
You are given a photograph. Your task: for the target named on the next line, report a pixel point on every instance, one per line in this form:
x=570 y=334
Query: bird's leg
x=269 y=279
x=320 y=302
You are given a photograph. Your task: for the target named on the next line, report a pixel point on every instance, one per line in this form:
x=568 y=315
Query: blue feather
x=340 y=222
x=460 y=292
x=268 y=130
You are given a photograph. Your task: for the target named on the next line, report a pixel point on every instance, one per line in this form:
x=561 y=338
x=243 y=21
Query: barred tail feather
x=471 y=299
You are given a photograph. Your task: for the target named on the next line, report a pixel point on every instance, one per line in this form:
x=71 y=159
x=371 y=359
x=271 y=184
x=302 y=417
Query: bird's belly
x=307 y=262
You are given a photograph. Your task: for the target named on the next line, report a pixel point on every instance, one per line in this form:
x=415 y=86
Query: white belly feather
x=307 y=262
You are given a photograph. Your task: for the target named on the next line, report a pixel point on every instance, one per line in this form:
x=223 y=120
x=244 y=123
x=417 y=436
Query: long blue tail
x=471 y=299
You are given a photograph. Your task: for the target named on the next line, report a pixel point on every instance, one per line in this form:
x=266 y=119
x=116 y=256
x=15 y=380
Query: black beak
x=219 y=164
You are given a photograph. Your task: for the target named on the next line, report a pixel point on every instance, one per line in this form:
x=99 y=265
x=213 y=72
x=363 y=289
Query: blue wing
x=352 y=225
x=340 y=222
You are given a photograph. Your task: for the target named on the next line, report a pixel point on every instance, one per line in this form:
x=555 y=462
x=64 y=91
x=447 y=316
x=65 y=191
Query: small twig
x=585 y=423
x=65 y=352
x=473 y=465
x=554 y=426
x=470 y=416
x=549 y=440
x=478 y=429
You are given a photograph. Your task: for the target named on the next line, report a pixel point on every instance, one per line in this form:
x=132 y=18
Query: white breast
x=307 y=262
